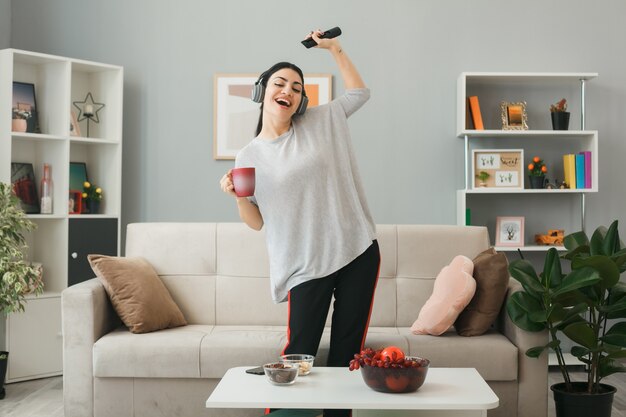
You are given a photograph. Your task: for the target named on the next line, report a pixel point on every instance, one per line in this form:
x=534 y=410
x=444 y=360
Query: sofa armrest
x=532 y=378
x=87 y=315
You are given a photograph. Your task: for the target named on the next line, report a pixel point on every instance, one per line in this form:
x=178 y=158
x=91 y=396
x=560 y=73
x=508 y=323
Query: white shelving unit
x=539 y=90
x=34 y=337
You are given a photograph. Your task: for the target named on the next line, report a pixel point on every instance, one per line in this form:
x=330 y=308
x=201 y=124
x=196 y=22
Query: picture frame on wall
x=510 y=231
x=25 y=186
x=24 y=105
x=500 y=169
x=235 y=115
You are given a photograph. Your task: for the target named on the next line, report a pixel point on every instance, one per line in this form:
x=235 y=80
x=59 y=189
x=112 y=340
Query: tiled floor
x=44 y=397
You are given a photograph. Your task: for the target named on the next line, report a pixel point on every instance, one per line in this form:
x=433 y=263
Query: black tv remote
x=329 y=34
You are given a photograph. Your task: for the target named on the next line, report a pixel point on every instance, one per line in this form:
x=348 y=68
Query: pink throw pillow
x=453 y=290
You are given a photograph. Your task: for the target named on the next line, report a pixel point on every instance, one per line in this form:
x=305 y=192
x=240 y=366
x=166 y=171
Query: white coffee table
x=447 y=392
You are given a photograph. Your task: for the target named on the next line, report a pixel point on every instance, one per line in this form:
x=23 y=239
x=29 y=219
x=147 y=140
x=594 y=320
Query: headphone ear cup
x=303 y=103
x=258 y=91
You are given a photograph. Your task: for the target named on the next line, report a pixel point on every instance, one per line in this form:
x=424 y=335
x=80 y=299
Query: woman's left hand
x=323 y=43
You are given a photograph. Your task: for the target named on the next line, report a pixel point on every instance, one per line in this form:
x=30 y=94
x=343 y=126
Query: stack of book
x=577 y=169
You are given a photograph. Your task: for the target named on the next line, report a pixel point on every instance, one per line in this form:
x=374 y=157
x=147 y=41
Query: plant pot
x=537 y=182
x=93 y=206
x=19 y=125
x=581 y=404
x=560 y=120
x=4 y=360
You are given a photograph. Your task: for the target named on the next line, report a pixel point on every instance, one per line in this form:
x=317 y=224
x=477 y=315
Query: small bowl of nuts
x=281 y=373
x=302 y=361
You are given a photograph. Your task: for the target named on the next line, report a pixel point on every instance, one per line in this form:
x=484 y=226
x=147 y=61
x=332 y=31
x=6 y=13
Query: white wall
x=409 y=52
x=5 y=23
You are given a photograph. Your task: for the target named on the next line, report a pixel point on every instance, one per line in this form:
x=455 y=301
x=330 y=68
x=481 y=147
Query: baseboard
x=570 y=360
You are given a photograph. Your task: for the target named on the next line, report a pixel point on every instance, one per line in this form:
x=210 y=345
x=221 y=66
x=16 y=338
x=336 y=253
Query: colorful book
x=580 y=170
x=587 y=155
x=475 y=110
x=469 y=124
x=569 y=170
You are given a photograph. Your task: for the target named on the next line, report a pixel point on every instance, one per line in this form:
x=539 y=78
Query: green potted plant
x=92 y=196
x=483 y=176
x=560 y=115
x=537 y=173
x=587 y=305
x=19 y=120
x=17 y=277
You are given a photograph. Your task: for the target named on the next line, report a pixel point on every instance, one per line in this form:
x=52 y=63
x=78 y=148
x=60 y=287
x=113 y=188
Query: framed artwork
x=510 y=231
x=497 y=168
x=235 y=115
x=514 y=116
x=74 y=127
x=78 y=176
x=24 y=186
x=75 y=202
x=25 y=106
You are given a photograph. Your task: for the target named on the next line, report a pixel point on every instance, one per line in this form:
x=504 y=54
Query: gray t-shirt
x=309 y=192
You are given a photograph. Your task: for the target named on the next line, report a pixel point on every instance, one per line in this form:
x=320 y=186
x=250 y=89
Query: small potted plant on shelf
x=92 y=196
x=537 y=173
x=19 y=122
x=587 y=305
x=17 y=277
x=560 y=115
x=483 y=176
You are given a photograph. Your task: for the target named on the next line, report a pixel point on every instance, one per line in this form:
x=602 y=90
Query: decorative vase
x=580 y=403
x=93 y=206
x=537 y=182
x=4 y=360
x=19 y=125
x=560 y=120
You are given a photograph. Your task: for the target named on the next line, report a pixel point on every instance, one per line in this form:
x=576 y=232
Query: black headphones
x=258 y=92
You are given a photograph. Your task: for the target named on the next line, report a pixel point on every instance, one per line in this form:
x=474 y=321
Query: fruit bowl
x=396 y=379
x=303 y=362
x=281 y=373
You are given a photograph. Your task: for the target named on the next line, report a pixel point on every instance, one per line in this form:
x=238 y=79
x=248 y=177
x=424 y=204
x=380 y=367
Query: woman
x=320 y=234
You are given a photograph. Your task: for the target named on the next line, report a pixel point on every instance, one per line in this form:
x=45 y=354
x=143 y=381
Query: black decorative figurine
x=88 y=109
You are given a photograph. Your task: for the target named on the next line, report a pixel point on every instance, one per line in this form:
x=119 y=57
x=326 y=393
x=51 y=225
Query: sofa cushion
x=137 y=293
x=492 y=279
x=492 y=354
x=453 y=289
x=169 y=353
x=230 y=346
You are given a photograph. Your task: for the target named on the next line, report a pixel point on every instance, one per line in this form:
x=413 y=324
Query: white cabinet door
x=35 y=341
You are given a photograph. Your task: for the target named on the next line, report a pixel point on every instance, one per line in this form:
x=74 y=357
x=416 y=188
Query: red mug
x=243 y=180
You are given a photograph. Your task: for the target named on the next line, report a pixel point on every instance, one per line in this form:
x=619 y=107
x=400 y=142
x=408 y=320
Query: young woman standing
x=320 y=235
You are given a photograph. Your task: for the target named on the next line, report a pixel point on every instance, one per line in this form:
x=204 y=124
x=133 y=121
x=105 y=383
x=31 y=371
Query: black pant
x=353 y=287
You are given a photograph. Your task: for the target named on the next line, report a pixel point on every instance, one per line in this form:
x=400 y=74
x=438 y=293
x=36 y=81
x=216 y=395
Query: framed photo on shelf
x=235 y=115
x=497 y=168
x=75 y=202
x=74 y=127
x=514 y=116
x=78 y=175
x=25 y=106
x=510 y=231
x=24 y=186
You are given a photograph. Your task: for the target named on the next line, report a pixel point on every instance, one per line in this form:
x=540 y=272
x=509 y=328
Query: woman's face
x=283 y=93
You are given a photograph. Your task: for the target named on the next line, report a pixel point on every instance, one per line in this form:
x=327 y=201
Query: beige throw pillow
x=137 y=293
x=491 y=272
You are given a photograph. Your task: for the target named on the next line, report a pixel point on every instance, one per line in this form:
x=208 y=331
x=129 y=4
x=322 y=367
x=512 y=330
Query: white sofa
x=218 y=275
